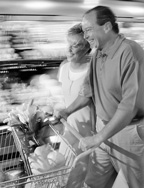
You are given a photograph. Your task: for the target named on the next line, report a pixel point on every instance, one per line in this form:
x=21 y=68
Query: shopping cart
x=55 y=178
x=9 y=156
x=10 y=161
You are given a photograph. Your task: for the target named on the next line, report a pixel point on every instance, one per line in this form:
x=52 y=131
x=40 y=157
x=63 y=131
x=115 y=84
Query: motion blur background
x=32 y=29
x=33 y=44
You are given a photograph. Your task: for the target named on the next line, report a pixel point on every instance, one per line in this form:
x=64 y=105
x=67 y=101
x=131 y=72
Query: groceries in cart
x=31 y=119
x=46 y=155
x=60 y=159
x=32 y=128
x=45 y=158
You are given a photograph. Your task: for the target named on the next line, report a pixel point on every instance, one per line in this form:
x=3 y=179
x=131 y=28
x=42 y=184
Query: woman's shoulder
x=64 y=63
x=62 y=69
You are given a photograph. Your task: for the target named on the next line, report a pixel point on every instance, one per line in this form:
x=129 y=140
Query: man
x=116 y=86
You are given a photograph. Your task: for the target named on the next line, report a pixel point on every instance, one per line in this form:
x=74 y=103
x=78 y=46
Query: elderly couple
x=104 y=98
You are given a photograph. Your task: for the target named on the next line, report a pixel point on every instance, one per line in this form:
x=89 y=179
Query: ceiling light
x=91 y=3
x=133 y=10
x=88 y=2
x=38 y=4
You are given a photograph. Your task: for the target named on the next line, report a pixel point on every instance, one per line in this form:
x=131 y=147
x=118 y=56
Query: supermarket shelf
x=25 y=64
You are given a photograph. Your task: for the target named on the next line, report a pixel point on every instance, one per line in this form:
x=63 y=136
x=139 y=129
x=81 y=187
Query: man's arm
x=127 y=108
x=120 y=120
x=77 y=104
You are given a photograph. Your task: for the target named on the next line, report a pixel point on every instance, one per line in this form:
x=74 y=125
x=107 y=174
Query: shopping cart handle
x=81 y=155
x=78 y=136
x=71 y=129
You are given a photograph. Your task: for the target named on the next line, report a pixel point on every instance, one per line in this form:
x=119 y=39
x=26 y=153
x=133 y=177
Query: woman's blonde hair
x=77 y=30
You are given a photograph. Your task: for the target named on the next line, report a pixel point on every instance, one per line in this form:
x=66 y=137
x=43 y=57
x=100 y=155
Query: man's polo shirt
x=116 y=79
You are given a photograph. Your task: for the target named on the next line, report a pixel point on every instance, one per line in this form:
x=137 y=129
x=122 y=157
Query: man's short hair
x=105 y=14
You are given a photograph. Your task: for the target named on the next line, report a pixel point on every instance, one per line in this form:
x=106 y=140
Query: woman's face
x=76 y=47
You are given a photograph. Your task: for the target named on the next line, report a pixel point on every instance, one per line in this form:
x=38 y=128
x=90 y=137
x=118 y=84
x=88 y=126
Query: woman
x=72 y=73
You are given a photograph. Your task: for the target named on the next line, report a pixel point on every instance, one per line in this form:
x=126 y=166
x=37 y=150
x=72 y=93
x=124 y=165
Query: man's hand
x=89 y=142
x=61 y=113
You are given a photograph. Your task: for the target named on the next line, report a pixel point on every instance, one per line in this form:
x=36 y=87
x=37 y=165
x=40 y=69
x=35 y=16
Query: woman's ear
x=107 y=27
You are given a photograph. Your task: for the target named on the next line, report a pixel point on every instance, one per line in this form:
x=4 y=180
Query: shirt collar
x=112 y=50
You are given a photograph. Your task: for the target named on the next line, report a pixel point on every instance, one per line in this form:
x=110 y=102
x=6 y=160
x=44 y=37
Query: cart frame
x=55 y=178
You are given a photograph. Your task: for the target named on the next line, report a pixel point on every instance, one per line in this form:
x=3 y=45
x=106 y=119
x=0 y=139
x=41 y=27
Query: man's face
x=93 y=33
x=76 y=47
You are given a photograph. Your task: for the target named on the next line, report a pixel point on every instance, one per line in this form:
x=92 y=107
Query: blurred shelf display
x=30 y=54
x=46 y=39
x=24 y=80
x=33 y=39
x=134 y=31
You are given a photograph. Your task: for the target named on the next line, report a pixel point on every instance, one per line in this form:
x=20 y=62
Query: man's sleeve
x=129 y=82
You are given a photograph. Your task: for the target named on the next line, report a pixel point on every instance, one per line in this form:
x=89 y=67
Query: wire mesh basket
x=54 y=178
x=11 y=165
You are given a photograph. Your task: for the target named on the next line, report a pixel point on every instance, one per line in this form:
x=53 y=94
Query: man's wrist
x=98 y=139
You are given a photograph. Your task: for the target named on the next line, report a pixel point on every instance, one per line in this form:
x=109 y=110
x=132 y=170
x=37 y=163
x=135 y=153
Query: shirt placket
x=101 y=62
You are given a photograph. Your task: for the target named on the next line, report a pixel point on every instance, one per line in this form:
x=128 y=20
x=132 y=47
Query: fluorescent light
x=90 y=3
x=133 y=10
x=38 y=4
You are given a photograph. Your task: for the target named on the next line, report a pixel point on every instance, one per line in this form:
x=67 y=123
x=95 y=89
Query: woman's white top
x=71 y=85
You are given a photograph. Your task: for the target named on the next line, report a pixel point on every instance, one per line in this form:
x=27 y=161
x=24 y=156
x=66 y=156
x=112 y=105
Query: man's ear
x=107 y=27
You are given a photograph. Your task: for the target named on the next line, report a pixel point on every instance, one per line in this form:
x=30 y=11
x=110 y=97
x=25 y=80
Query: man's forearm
x=119 y=121
x=79 y=103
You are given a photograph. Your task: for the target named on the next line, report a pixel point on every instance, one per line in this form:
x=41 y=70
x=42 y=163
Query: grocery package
x=45 y=158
